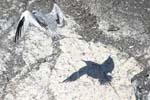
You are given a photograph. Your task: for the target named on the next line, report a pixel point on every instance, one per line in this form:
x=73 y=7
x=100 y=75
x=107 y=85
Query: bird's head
x=34 y=11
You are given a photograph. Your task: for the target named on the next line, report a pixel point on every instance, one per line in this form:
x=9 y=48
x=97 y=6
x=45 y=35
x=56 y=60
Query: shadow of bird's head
x=108 y=65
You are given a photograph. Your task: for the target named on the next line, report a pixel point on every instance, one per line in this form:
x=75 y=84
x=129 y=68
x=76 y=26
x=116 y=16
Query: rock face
x=96 y=59
x=141 y=84
x=47 y=66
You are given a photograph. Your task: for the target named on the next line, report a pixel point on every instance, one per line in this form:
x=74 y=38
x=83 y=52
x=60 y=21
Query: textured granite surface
x=35 y=68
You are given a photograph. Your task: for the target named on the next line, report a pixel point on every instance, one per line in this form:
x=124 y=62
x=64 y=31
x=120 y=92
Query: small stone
x=113 y=28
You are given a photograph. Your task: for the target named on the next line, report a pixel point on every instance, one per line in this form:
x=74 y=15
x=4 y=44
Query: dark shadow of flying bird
x=97 y=71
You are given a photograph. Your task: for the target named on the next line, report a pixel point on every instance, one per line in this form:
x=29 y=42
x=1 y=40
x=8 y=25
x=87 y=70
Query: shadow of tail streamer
x=94 y=70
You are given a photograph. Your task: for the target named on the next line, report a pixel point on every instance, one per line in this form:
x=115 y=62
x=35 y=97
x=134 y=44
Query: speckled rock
x=38 y=81
x=35 y=68
x=141 y=84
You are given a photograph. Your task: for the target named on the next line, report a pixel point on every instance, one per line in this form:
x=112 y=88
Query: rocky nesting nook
x=103 y=53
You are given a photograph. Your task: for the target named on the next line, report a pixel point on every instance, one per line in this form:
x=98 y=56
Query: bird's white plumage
x=29 y=19
x=46 y=23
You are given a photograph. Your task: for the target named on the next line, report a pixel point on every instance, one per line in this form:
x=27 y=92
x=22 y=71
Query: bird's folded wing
x=58 y=14
x=26 y=19
x=32 y=20
x=19 y=27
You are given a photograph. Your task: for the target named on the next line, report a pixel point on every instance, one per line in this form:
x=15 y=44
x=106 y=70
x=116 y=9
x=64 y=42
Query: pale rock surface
x=35 y=68
x=39 y=82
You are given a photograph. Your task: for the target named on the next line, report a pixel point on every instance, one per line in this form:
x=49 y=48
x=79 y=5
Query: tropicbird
x=48 y=22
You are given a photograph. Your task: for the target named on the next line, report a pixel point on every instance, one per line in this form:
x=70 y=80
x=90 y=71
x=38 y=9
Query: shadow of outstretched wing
x=94 y=70
x=76 y=75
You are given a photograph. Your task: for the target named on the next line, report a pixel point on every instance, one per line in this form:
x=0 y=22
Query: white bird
x=47 y=22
